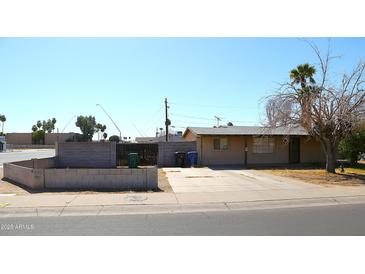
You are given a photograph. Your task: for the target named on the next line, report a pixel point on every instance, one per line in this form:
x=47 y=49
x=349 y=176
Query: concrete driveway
x=207 y=180
x=27 y=154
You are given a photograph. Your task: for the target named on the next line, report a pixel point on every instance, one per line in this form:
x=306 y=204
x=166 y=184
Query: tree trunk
x=331 y=161
x=330 y=150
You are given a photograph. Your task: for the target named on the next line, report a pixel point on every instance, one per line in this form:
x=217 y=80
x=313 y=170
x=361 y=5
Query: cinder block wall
x=19 y=138
x=23 y=139
x=39 y=174
x=166 y=151
x=88 y=154
x=102 y=179
x=28 y=177
x=52 y=138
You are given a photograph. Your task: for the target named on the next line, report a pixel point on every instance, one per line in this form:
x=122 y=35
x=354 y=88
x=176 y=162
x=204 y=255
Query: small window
x=263 y=144
x=220 y=143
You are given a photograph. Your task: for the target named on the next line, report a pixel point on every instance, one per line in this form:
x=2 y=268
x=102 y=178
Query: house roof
x=172 y=138
x=247 y=130
x=146 y=139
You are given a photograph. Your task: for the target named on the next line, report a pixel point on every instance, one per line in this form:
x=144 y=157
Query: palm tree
x=303 y=75
x=2 y=120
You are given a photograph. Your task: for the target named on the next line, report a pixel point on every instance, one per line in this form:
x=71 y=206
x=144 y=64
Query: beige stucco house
x=254 y=146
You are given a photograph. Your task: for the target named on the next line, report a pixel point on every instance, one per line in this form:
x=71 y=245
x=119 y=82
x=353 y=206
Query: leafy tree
x=105 y=135
x=87 y=125
x=38 y=137
x=230 y=124
x=353 y=146
x=114 y=138
x=40 y=128
x=2 y=120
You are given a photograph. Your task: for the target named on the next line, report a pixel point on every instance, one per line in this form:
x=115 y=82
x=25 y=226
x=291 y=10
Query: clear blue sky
x=62 y=77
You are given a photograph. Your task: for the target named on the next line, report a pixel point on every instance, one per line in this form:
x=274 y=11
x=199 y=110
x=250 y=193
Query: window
x=263 y=144
x=220 y=143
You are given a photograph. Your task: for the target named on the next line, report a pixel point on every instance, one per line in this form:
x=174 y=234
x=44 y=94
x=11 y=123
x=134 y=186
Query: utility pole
x=167 y=121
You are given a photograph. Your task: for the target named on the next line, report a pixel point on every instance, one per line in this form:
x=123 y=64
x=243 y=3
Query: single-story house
x=253 y=146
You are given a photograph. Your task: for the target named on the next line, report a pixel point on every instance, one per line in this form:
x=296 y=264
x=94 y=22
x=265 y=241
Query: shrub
x=114 y=138
x=38 y=137
x=352 y=147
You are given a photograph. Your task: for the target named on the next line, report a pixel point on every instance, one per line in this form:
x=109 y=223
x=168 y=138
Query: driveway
x=189 y=180
x=21 y=155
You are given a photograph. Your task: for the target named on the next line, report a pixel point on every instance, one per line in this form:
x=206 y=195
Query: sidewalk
x=149 y=203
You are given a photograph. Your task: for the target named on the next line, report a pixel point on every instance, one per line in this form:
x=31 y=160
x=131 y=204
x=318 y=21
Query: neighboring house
x=253 y=146
x=148 y=140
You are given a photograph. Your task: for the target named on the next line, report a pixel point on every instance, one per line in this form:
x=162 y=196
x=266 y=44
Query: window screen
x=263 y=144
x=220 y=143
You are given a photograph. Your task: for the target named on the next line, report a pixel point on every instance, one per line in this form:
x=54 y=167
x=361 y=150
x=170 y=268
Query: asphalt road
x=340 y=220
x=21 y=155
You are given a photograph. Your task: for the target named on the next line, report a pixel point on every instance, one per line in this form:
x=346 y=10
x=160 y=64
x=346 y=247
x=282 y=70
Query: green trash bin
x=133 y=160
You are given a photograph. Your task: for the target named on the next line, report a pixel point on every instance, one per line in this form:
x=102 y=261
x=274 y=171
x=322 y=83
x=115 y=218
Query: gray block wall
x=166 y=151
x=28 y=177
x=88 y=154
x=143 y=179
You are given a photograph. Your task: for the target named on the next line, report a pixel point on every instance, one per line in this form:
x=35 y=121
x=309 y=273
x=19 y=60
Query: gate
x=148 y=153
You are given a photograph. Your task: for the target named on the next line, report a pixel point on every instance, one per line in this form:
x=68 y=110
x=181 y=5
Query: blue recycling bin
x=192 y=158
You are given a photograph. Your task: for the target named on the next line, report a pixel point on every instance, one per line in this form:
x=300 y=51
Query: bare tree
x=278 y=113
x=329 y=111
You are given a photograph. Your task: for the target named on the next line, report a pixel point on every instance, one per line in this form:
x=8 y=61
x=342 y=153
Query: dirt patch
x=351 y=176
x=8 y=188
x=163 y=181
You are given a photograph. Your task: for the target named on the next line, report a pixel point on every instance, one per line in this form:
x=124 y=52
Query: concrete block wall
x=86 y=154
x=52 y=138
x=25 y=139
x=46 y=176
x=28 y=177
x=19 y=138
x=10 y=147
x=38 y=163
x=102 y=179
x=166 y=151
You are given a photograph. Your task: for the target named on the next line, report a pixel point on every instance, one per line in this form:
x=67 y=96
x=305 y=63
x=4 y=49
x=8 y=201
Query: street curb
x=110 y=210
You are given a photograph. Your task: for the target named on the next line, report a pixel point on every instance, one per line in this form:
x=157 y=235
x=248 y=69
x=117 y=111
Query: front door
x=294 y=150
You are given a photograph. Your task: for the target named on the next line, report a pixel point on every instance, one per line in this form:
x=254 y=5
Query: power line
x=192 y=117
x=211 y=119
x=153 y=118
x=209 y=106
x=189 y=122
